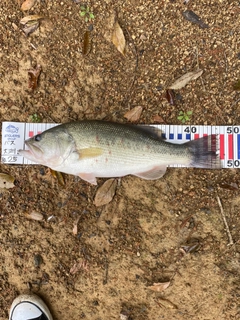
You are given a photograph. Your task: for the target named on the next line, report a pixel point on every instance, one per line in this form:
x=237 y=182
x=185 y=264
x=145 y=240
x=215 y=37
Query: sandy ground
x=141 y=237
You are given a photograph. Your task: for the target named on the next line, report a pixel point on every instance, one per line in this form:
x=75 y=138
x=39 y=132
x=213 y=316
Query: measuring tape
x=228 y=139
x=15 y=133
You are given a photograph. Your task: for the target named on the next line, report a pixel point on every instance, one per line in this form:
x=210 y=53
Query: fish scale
x=14 y=134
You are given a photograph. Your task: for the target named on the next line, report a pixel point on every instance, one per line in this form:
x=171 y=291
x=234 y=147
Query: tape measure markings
x=227 y=144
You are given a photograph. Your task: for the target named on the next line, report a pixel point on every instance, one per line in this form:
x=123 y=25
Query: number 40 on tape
x=228 y=139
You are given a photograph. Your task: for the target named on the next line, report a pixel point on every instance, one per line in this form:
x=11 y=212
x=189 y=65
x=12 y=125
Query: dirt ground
x=142 y=236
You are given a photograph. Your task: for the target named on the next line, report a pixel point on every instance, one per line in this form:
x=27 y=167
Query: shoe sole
x=34 y=299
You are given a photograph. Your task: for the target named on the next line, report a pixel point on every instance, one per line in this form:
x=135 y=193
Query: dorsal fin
x=153 y=131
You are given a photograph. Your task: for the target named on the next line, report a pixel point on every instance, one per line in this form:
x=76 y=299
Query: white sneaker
x=29 y=307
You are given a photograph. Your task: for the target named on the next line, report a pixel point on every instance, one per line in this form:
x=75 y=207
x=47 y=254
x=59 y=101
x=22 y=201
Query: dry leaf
x=30 y=27
x=34 y=216
x=183 y=80
x=118 y=38
x=105 y=193
x=170 y=96
x=58 y=175
x=30 y=23
x=75 y=226
x=33 y=75
x=134 y=114
x=157 y=118
x=86 y=43
x=27 y=5
x=194 y=18
x=160 y=286
x=6 y=181
x=230 y=186
x=191 y=246
x=167 y=303
x=33 y=17
x=75 y=229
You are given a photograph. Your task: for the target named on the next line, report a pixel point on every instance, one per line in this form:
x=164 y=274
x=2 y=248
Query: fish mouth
x=33 y=152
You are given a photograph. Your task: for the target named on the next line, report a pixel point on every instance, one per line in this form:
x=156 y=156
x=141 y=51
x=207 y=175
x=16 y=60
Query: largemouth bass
x=92 y=149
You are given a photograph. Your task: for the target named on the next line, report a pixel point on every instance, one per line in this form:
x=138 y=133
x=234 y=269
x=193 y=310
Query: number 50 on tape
x=15 y=133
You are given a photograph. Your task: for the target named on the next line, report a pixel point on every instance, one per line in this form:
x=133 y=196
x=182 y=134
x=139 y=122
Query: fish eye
x=38 y=137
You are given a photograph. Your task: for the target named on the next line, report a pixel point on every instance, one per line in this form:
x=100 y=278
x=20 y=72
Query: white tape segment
x=15 y=133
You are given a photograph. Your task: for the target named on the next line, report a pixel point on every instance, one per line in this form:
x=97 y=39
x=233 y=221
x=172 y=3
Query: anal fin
x=89 y=177
x=152 y=174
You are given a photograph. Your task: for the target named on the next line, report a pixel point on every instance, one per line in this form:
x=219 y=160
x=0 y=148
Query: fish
x=94 y=149
x=12 y=129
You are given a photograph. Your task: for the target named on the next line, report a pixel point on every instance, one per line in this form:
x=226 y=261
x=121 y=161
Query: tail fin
x=205 y=152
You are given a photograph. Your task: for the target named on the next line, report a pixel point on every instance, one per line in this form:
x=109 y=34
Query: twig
x=105 y=279
x=235 y=102
x=225 y=221
x=198 y=68
x=129 y=91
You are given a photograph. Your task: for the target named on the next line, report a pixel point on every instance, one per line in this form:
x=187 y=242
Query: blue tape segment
x=179 y=136
x=171 y=136
x=188 y=136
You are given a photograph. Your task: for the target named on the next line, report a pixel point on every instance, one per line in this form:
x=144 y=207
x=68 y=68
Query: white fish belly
x=117 y=164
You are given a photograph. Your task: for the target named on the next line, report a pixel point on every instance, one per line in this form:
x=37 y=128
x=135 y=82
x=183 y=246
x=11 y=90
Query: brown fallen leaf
x=157 y=118
x=58 y=176
x=230 y=186
x=28 y=4
x=134 y=114
x=6 y=181
x=75 y=231
x=86 y=43
x=170 y=96
x=30 y=27
x=160 y=286
x=191 y=246
x=33 y=75
x=185 y=79
x=33 y=17
x=105 y=193
x=34 y=215
x=30 y=23
x=75 y=226
x=118 y=38
x=194 y=18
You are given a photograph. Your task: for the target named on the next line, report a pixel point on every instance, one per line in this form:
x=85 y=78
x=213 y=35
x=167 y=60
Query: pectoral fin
x=152 y=174
x=89 y=152
x=89 y=177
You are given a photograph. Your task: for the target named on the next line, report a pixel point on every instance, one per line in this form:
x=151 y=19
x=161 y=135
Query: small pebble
x=38 y=260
